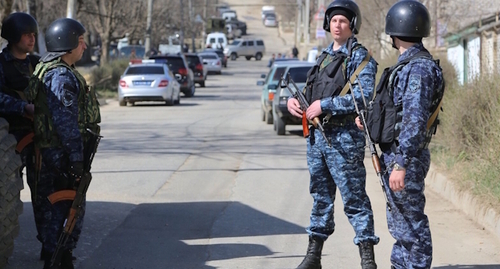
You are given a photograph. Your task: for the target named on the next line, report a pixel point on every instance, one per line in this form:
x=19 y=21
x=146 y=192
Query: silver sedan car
x=148 y=82
x=212 y=62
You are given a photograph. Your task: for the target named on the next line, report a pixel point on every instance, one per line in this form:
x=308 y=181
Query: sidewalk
x=482 y=214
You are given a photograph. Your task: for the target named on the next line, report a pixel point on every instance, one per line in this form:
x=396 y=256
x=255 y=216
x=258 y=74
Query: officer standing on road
x=418 y=88
x=16 y=66
x=64 y=109
x=340 y=165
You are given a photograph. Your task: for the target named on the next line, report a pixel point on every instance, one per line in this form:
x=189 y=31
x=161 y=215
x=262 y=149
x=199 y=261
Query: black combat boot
x=367 y=255
x=313 y=256
x=67 y=260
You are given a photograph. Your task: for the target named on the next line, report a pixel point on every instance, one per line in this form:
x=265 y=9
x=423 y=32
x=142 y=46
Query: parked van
x=246 y=47
x=214 y=39
x=229 y=15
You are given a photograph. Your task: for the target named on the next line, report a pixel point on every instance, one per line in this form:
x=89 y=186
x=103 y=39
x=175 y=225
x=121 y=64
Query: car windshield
x=208 y=56
x=192 y=60
x=127 y=50
x=279 y=73
x=299 y=74
x=235 y=43
x=145 y=70
x=173 y=63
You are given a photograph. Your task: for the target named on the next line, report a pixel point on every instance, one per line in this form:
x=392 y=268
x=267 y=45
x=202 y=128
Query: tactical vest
x=88 y=107
x=384 y=118
x=16 y=79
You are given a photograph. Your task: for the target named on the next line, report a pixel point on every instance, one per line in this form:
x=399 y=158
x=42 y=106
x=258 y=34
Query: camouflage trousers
x=407 y=221
x=340 y=166
x=52 y=216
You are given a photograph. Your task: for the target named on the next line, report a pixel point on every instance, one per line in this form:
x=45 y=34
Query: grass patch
x=467 y=144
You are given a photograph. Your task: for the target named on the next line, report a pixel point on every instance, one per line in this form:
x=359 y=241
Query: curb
x=483 y=215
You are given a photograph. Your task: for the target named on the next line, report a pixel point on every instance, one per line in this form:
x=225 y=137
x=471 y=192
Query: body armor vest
x=326 y=78
x=16 y=76
x=88 y=106
x=384 y=117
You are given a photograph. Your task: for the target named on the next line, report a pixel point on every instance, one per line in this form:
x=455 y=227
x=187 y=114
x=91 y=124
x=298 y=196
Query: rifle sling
x=434 y=115
x=355 y=74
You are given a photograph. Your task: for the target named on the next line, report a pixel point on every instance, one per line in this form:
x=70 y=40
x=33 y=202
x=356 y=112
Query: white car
x=148 y=82
x=270 y=21
x=212 y=62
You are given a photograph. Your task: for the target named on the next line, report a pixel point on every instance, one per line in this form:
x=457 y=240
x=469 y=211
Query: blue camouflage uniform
x=416 y=85
x=342 y=165
x=63 y=89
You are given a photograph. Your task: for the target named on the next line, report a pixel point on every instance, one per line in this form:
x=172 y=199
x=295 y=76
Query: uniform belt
x=338 y=121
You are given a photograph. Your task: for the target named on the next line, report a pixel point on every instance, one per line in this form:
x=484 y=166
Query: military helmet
x=62 y=35
x=17 y=24
x=408 y=18
x=345 y=5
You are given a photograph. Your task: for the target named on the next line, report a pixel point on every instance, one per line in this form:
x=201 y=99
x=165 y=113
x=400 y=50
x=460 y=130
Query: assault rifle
x=373 y=149
x=77 y=194
x=304 y=105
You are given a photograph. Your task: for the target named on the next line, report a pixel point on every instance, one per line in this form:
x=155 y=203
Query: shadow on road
x=485 y=266
x=164 y=235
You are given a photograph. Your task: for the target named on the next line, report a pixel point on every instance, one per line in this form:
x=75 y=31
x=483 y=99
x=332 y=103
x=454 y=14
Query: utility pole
x=306 y=22
x=147 y=43
x=70 y=11
x=181 y=38
x=192 y=25
x=298 y=23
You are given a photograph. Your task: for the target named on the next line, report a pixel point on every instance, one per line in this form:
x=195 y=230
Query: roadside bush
x=105 y=78
x=468 y=137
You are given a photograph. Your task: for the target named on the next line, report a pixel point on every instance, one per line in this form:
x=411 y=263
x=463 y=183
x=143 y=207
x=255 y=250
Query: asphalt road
x=207 y=184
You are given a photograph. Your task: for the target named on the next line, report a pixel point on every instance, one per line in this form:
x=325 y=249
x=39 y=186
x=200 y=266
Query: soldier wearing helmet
x=16 y=66
x=339 y=165
x=65 y=107
x=416 y=85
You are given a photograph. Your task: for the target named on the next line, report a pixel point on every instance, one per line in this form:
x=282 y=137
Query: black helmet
x=17 y=24
x=62 y=35
x=408 y=18
x=345 y=5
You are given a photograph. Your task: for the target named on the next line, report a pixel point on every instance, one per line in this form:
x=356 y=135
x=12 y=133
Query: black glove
x=76 y=169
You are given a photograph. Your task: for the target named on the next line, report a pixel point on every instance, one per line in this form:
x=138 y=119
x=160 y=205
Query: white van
x=214 y=39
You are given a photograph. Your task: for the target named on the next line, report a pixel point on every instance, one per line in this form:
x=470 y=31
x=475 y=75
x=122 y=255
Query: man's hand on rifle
x=359 y=123
x=293 y=106
x=314 y=110
x=76 y=169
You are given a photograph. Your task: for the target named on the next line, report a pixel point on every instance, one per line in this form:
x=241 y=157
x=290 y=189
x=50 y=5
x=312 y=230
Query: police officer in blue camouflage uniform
x=341 y=164
x=417 y=92
x=64 y=109
x=16 y=66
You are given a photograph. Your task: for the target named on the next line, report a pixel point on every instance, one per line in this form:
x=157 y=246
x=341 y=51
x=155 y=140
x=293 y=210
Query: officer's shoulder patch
x=62 y=70
x=414 y=82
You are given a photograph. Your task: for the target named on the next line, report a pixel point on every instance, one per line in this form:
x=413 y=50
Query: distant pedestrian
x=271 y=61
x=295 y=52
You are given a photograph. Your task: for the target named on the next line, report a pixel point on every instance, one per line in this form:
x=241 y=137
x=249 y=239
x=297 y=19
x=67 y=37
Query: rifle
x=304 y=105
x=77 y=194
x=373 y=149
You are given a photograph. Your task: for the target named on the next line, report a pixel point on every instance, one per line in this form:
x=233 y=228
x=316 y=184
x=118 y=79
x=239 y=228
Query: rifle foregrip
x=376 y=164
x=305 y=126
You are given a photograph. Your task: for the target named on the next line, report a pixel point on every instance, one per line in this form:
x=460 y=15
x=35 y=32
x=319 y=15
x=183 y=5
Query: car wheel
x=262 y=114
x=280 y=126
x=269 y=117
x=169 y=102
x=248 y=58
x=178 y=100
x=258 y=56
x=123 y=103
x=233 y=56
x=202 y=84
x=191 y=92
x=274 y=117
x=132 y=103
